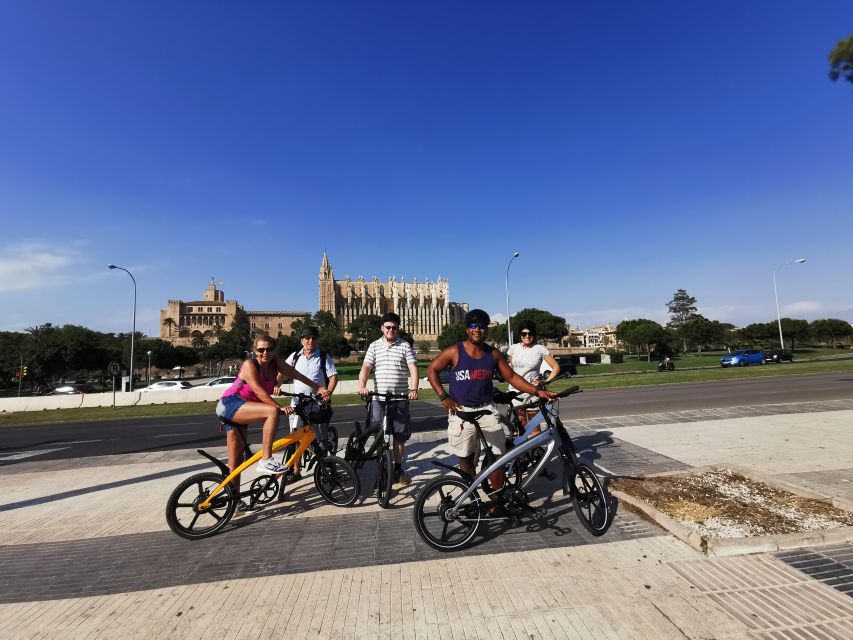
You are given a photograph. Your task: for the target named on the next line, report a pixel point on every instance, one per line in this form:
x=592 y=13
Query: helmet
x=318 y=412
x=477 y=315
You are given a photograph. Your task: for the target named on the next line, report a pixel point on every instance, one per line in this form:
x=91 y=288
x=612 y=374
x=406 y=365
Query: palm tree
x=199 y=341
x=170 y=322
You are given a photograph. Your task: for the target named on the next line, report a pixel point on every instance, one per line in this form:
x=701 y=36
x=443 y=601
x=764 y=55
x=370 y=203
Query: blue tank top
x=471 y=379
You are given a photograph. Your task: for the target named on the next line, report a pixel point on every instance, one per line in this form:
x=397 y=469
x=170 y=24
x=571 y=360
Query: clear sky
x=625 y=149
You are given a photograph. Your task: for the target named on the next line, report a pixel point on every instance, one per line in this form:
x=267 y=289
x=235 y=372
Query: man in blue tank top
x=472 y=364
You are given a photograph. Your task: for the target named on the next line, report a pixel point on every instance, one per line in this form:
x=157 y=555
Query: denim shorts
x=398 y=417
x=228 y=406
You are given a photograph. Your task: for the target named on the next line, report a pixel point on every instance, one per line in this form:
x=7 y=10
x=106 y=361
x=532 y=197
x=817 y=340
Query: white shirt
x=527 y=360
x=390 y=363
x=309 y=366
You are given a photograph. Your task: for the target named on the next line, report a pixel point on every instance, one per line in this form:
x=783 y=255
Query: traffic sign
x=114 y=368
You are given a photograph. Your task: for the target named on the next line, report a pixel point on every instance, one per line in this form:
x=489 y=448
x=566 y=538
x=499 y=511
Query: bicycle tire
x=384 y=478
x=337 y=481
x=332 y=440
x=182 y=515
x=588 y=498
x=428 y=510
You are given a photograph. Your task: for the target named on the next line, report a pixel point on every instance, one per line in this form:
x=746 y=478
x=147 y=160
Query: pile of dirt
x=726 y=504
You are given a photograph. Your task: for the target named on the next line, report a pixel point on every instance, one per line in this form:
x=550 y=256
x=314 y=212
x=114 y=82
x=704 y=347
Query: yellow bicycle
x=204 y=504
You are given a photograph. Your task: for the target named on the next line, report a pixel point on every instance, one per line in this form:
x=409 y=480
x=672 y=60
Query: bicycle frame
x=546 y=438
x=304 y=436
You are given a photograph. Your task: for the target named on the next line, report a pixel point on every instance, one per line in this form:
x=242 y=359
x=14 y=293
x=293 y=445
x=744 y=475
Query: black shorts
x=398 y=417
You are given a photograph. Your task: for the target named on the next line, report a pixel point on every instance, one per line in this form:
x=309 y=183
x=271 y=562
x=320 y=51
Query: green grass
x=628 y=374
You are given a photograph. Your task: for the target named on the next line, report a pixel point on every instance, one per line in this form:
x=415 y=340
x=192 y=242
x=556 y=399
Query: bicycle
x=204 y=503
x=380 y=450
x=448 y=511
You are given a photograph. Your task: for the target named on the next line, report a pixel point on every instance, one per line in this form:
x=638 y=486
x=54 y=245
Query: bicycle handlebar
x=387 y=395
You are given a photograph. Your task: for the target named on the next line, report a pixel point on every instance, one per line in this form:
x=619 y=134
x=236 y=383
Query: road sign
x=114 y=368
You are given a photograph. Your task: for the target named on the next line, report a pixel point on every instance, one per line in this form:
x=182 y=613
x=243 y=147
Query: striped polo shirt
x=390 y=364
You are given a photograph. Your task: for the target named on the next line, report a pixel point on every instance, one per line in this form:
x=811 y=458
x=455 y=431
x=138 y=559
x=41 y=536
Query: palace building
x=181 y=321
x=424 y=307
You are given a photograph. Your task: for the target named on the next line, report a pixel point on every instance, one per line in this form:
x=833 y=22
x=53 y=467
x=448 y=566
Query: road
x=74 y=440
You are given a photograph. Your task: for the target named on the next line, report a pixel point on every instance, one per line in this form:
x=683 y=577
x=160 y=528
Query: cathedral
x=424 y=307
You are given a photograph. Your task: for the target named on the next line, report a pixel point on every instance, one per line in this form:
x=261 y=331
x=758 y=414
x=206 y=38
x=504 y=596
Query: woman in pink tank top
x=249 y=400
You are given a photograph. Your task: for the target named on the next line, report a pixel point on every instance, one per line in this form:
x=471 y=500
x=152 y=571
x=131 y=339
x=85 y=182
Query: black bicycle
x=357 y=452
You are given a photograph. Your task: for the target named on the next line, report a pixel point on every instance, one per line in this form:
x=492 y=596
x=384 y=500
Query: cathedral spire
x=325 y=267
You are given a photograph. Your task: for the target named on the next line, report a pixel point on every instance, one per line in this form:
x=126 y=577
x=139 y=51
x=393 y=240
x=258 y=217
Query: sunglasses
x=390 y=327
x=526 y=333
x=264 y=349
x=477 y=325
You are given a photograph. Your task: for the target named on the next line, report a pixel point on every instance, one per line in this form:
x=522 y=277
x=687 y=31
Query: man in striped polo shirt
x=395 y=368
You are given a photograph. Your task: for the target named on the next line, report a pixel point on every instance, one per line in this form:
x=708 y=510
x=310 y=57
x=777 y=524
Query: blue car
x=743 y=357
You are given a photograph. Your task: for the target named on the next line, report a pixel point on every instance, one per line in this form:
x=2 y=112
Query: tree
x=682 y=308
x=759 y=332
x=841 y=60
x=424 y=347
x=794 y=330
x=548 y=326
x=170 y=324
x=831 y=330
x=334 y=343
x=451 y=334
x=363 y=330
x=645 y=333
x=702 y=332
x=199 y=341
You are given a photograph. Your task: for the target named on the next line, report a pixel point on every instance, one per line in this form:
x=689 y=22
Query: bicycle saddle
x=470 y=416
x=504 y=397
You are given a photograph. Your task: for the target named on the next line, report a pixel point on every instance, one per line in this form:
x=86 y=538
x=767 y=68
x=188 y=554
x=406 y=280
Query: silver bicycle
x=449 y=510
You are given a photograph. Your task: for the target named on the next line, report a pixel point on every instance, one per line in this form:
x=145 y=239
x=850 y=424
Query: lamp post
x=776 y=295
x=506 y=288
x=148 y=381
x=133 y=331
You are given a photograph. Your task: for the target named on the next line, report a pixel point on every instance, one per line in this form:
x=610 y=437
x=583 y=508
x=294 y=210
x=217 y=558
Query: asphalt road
x=74 y=440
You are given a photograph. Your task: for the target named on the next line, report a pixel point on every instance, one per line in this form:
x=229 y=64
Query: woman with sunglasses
x=249 y=400
x=526 y=357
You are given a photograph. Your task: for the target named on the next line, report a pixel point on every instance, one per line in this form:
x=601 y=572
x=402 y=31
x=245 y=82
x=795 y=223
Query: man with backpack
x=317 y=366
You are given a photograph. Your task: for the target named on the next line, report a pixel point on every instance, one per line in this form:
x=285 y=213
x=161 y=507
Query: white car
x=168 y=385
x=223 y=382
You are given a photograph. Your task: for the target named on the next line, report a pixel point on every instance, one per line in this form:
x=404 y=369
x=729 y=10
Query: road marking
x=172 y=435
x=79 y=441
x=27 y=454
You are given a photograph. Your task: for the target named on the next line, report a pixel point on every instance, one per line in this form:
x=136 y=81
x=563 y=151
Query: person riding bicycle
x=249 y=400
x=473 y=364
x=395 y=366
x=526 y=357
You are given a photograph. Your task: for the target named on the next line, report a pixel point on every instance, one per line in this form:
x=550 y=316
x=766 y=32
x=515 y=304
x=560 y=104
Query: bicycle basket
x=318 y=412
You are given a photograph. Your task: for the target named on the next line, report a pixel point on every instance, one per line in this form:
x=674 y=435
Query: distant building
x=424 y=307
x=599 y=337
x=181 y=322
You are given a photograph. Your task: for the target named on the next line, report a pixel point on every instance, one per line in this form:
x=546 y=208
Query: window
x=189 y=309
x=210 y=309
x=266 y=325
x=254 y=326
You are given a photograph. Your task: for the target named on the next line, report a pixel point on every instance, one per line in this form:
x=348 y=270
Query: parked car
x=168 y=385
x=71 y=389
x=224 y=381
x=779 y=355
x=743 y=357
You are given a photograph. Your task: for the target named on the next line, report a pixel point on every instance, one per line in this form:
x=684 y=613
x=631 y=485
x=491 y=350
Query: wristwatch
x=443 y=396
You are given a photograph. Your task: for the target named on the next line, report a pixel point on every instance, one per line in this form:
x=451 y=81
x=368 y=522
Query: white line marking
x=79 y=441
x=172 y=435
x=27 y=454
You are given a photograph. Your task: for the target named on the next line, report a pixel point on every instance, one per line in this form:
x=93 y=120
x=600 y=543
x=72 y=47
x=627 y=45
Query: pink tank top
x=243 y=390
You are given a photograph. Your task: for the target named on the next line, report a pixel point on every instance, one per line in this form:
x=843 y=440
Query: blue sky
x=626 y=150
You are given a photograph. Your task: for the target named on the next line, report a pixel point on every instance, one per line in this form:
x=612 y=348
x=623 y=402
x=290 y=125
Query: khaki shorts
x=462 y=436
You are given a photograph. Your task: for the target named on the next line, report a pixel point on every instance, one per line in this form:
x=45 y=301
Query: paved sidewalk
x=86 y=552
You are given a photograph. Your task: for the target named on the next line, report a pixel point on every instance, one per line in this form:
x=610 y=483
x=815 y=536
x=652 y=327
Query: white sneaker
x=270 y=466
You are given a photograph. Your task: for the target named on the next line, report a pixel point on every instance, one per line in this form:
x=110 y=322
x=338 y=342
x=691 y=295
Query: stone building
x=180 y=321
x=599 y=337
x=424 y=307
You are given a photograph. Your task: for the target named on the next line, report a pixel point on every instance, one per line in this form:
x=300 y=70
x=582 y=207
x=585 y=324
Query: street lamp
x=148 y=382
x=133 y=331
x=506 y=288
x=776 y=295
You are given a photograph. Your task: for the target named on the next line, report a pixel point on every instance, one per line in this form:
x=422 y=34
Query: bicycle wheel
x=332 y=440
x=384 y=477
x=435 y=523
x=588 y=499
x=337 y=481
x=186 y=519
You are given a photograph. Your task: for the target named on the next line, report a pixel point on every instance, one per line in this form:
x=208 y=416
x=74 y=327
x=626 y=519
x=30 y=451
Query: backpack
x=295 y=358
